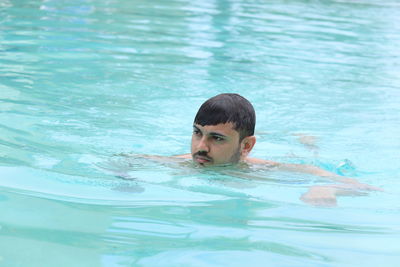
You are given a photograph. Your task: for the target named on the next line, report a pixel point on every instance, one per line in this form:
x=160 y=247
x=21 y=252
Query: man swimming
x=223 y=134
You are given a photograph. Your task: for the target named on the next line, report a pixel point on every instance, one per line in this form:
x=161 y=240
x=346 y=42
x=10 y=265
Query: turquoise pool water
x=83 y=81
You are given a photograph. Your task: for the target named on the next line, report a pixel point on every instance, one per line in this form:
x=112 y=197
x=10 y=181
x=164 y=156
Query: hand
x=320 y=196
x=325 y=195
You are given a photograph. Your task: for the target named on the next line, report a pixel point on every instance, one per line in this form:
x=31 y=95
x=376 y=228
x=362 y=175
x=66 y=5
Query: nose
x=203 y=145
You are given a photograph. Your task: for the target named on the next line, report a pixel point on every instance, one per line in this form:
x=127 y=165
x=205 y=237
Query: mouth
x=202 y=159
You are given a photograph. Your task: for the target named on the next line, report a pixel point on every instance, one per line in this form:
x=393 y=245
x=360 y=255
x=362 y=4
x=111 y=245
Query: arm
x=309 y=169
x=158 y=158
x=322 y=195
x=325 y=195
x=184 y=156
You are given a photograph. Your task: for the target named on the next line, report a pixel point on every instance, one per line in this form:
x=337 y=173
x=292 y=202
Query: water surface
x=82 y=81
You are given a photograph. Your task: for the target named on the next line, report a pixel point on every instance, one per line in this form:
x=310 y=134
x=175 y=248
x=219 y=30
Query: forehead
x=226 y=129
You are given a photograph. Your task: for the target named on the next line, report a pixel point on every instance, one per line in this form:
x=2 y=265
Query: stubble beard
x=235 y=158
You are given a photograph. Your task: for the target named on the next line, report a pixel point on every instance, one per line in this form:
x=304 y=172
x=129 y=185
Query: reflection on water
x=148 y=231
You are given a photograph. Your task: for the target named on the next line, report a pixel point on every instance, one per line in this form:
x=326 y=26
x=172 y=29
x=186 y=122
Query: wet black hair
x=225 y=108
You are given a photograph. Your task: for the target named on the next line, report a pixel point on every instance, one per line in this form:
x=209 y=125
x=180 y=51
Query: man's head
x=223 y=130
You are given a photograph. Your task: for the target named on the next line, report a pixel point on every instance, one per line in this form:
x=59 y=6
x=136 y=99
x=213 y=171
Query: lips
x=202 y=159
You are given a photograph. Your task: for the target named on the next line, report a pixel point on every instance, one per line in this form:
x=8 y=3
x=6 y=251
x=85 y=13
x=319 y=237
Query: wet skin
x=219 y=144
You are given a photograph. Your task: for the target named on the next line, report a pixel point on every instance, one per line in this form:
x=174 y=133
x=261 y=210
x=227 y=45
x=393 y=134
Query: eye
x=196 y=132
x=218 y=138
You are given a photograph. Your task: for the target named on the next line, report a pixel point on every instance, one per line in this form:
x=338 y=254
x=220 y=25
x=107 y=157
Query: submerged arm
x=324 y=195
x=157 y=158
x=313 y=170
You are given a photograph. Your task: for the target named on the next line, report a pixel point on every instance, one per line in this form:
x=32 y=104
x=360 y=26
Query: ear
x=247 y=145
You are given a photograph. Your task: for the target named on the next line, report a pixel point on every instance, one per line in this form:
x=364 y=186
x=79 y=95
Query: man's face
x=215 y=144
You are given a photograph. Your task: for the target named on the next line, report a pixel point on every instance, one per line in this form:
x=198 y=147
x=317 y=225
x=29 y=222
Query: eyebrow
x=196 y=128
